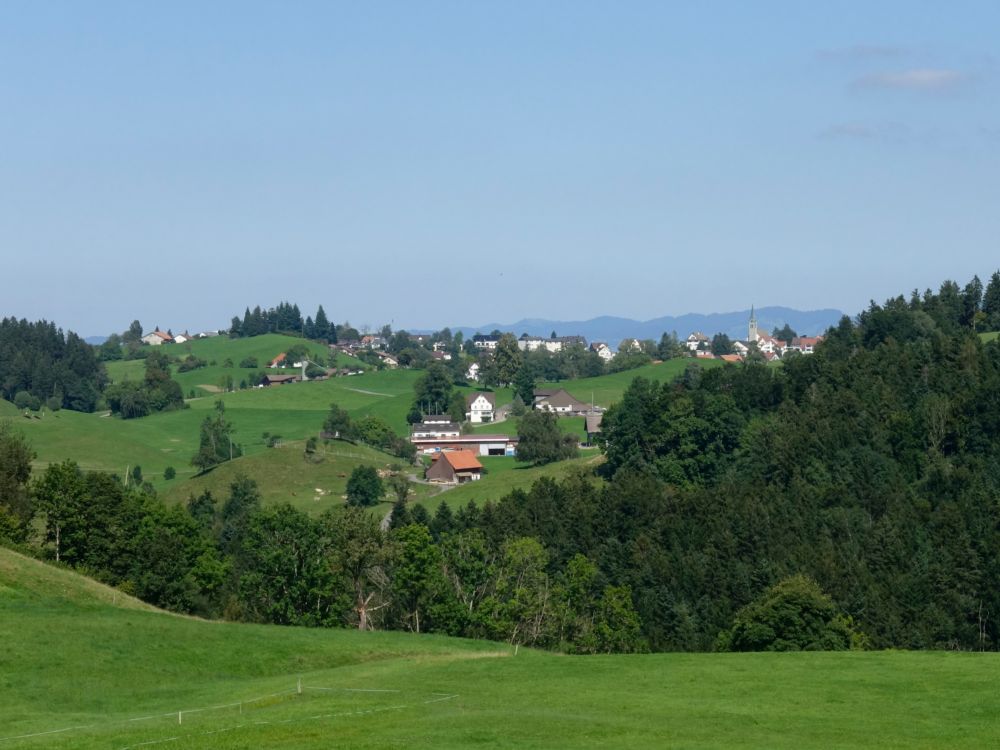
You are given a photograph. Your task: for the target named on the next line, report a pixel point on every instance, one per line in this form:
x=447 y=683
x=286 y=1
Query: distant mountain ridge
x=612 y=329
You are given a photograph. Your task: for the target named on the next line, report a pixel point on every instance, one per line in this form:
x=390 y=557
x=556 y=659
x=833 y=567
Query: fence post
x=180 y=717
x=300 y=686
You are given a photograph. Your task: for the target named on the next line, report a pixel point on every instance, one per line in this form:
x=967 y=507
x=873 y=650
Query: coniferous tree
x=991 y=302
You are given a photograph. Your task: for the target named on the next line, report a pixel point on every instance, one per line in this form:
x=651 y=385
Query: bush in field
x=364 y=487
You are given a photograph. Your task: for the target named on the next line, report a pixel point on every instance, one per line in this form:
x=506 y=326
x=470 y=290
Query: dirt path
x=369 y=393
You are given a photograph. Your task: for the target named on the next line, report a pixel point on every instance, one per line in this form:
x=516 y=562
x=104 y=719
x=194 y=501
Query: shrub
x=364 y=487
x=792 y=615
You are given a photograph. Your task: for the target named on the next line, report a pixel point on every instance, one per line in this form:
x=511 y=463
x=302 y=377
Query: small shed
x=270 y=380
x=593 y=426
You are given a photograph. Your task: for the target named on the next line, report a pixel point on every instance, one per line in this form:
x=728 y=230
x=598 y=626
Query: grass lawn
x=79 y=657
x=987 y=337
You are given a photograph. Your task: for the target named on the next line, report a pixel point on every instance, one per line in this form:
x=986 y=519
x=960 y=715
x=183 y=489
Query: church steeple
x=752 y=337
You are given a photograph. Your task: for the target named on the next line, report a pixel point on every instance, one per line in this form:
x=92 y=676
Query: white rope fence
x=299 y=689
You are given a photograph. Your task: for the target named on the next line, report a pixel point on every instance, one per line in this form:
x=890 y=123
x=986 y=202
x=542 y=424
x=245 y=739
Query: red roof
x=462 y=460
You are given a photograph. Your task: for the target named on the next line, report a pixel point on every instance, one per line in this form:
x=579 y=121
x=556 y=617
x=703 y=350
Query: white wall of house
x=480 y=410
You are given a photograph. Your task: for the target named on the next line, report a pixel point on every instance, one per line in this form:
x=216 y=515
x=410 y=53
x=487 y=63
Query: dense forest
x=854 y=493
x=39 y=364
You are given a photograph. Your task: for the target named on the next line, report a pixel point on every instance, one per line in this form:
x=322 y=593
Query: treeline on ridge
x=41 y=365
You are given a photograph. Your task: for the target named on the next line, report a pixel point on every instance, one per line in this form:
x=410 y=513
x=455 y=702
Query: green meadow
x=987 y=337
x=285 y=475
x=294 y=412
x=86 y=667
x=604 y=390
x=211 y=378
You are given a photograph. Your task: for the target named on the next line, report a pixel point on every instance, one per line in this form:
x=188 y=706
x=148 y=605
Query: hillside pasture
x=85 y=668
x=295 y=412
x=284 y=475
x=605 y=390
x=211 y=378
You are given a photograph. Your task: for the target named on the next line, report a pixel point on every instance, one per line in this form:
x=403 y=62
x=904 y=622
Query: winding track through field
x=369 y=393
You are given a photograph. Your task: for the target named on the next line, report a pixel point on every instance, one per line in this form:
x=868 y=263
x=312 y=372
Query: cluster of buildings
x=455 y=455
x=158 y=337
x=553 y=344
x=700 y=345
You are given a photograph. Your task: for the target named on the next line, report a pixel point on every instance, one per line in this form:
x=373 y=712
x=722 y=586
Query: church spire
x=752 y=333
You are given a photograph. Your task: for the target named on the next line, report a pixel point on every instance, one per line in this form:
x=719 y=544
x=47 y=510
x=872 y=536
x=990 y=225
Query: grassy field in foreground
x=76 y=656
x=987 y=337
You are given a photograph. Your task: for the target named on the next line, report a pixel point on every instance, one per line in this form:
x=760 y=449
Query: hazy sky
x=434 y=163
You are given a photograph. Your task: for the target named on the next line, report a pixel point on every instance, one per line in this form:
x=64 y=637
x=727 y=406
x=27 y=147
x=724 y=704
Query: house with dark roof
x=454 y=467
x=269 y=380
x=558 y=401
x=697 y=340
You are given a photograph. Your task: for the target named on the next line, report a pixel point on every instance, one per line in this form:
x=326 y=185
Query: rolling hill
x=294 y=412
x=86 y=667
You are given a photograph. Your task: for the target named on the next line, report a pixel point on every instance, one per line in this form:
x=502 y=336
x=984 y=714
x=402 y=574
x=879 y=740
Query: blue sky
x=460 y=163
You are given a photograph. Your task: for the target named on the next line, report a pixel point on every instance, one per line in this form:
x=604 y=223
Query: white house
x=695 y=340
x=480 y=407
x=768 y=344
x=157 y=337
x=485 y=341
x=473 y=372
x=387 y=359
x=553 y=344
x=603 y=350
x=181 y=338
